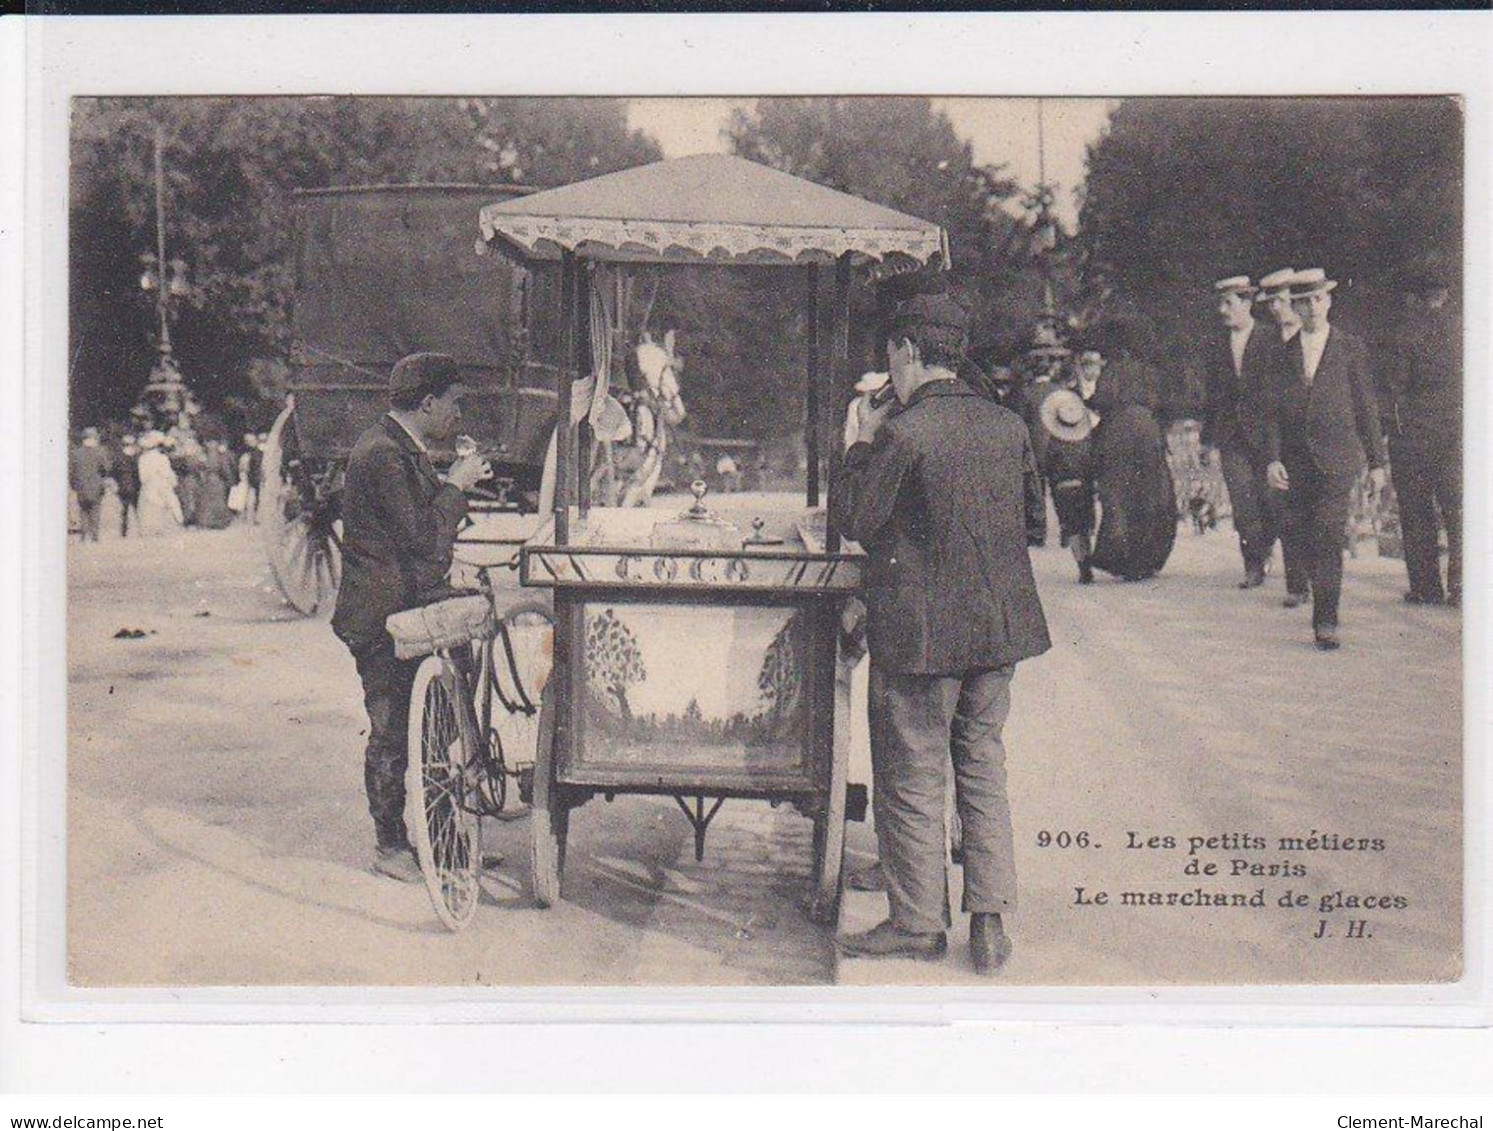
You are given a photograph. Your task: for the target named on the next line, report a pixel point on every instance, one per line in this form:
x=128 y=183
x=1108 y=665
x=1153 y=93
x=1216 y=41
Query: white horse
x=626 y=470
x=657 y=408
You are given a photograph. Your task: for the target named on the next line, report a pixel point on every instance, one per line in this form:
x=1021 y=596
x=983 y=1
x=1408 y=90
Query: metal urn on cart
x=697 y=651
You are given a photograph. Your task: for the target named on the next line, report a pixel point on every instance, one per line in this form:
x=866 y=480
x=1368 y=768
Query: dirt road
x=217 y=832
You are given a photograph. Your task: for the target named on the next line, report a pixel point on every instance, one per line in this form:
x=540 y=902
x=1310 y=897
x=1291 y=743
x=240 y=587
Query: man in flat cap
x=399 y=523
x=1275 y=295
x=1326 y=422
x=935 y=490
x=1235 y=421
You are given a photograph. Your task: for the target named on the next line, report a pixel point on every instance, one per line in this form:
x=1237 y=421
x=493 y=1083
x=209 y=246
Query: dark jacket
x=938 y=502
x=1236 y=414
x=1425 y=384
x=86 y=472
x=399 y=524
x=1334 y=421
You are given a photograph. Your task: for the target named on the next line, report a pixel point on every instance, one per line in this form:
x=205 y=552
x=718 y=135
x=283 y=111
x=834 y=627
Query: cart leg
x=829 y=826
x=699 y=819
x=549 y=821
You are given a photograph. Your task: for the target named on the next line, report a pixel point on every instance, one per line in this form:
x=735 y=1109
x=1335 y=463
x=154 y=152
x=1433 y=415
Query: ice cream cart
x=696 y=647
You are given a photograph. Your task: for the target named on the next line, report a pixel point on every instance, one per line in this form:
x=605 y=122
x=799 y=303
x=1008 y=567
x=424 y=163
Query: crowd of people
x=1293 y=416
x=161 y=480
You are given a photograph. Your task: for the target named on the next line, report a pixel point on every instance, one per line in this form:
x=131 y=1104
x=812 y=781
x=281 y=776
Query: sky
x=1003 y=131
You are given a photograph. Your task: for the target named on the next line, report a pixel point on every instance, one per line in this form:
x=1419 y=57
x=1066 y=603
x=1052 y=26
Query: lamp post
x=165 y=392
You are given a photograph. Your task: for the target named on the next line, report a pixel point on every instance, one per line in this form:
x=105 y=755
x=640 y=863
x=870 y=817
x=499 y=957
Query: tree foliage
x=231 y=166
x=1181 y=192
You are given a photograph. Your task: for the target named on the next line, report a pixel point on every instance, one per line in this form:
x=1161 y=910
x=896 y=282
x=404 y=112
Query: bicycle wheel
x=446 y=834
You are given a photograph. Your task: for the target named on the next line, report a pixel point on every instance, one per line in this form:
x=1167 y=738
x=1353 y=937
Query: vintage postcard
x=1126 y=629
x=946 y=544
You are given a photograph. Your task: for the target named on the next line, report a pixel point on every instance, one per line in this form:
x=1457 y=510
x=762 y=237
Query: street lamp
x=165 y=392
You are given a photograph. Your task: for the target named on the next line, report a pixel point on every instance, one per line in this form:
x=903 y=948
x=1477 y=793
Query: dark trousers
x=1254 y=510
x=1317 y=507
x=920 y=725
x=88 y=511
x=1073 y=499
x=1424 y=480
x=127 y=507
x=387 y=681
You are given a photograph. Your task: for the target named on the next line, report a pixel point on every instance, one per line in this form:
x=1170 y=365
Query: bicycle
x=474 y=724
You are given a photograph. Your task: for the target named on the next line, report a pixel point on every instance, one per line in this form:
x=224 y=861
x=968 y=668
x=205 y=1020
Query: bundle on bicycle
x=697 y=653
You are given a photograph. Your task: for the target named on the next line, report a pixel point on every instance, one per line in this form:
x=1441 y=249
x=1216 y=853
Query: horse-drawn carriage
x=383 y=271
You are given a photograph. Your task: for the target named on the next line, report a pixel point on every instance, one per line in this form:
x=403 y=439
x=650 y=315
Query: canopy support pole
x=811 y=391
x=840 y=381
x=584 y=364
x=565 y=375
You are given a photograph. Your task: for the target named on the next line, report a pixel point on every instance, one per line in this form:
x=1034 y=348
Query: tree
x=231 y=167
x=902 y=153
x=1181 y=192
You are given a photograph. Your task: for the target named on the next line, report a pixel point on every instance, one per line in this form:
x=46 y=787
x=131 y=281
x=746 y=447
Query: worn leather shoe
x=397 y=864
x=1327 y=638
x=886 y=940
x=1254 y=577
x=989 y=945
x=1294 y=599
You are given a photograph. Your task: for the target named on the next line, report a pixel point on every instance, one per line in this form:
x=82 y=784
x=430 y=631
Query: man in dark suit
x=399 y=524
x=87 y=470
x=1234 y=422
x=1325 y=421
x=1424 y=420
x=1275 y=296
x=935 y=490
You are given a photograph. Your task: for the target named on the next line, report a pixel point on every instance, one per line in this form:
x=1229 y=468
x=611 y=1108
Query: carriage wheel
x=446 y=834
x=829 y=824
x=549 y=823
x=301 y=545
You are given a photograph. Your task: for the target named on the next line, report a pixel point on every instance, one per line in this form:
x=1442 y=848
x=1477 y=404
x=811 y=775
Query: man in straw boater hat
x=1275 y=295
x=1235 y=421
x=1069 y=424
x=935 y=489
x=1326 y=422
x=399 y=525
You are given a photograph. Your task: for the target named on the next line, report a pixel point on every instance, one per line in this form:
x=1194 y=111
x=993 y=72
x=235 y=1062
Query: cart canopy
x=710 y=208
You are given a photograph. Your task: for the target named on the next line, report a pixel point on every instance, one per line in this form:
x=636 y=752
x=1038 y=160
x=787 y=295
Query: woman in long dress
x=1137 y=500
x=217 y=477
x=160 y=508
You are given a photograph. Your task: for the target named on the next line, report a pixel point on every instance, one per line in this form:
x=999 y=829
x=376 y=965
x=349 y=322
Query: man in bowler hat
x=934 y=489
x=1325 y=423
x=399 y=525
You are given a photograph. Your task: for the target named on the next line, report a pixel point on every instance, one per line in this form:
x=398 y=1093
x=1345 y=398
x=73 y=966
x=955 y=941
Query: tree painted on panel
x=614 y=662
x=780 y=680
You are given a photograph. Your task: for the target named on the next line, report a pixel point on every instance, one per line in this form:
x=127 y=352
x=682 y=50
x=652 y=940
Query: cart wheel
x=445 y=833
x=549 y=822
x=522 y=657
x=829 y=825
x=301 y=544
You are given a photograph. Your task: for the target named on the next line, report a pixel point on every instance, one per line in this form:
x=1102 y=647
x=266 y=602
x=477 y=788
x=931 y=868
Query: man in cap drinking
x=1326 y=423
x=934 y=489
x=399 y=524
